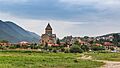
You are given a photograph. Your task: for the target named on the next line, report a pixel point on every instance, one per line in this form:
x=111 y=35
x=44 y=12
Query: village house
x=5 y=43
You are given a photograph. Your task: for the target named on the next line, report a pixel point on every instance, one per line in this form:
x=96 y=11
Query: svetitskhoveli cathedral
x=48 y=37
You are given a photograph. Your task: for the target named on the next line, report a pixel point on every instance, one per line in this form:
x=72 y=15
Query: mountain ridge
x=107 y=35
x=14 y=33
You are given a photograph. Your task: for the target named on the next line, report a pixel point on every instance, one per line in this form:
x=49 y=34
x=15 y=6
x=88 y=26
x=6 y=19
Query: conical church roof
x=48 y=27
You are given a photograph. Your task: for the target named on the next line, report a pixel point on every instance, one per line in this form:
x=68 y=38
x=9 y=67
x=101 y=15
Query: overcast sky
x=67 y=17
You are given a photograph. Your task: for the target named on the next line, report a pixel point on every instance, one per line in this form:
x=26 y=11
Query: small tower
x=48 y=30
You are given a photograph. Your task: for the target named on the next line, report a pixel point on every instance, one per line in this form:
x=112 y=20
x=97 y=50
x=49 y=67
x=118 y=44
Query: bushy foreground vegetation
x=34 y=59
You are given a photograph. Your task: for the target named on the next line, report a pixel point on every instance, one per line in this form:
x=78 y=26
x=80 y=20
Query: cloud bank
x=79 y=17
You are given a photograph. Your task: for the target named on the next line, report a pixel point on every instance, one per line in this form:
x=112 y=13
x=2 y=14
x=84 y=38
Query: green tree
x=85 y=47
x=86 y=37
x=76 y=43
x=46 y=46
x=4 y=41
x=58 y=41
x=116 y=39
x=75 y=49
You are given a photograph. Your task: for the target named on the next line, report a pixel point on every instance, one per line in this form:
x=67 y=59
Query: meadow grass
x=105 y=56
x=31 y=59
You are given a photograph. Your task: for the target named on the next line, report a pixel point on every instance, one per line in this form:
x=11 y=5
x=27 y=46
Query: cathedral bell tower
x=48 y=30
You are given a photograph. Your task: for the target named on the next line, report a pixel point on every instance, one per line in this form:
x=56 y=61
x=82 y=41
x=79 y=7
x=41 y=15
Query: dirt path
x=108 y=64
x=111 y=64
x=86 y=57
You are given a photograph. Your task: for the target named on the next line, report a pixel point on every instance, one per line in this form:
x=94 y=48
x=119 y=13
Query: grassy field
x=28 y=59
x=105 y=56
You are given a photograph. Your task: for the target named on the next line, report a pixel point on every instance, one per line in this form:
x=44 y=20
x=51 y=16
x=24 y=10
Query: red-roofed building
x=108 y=44
x=56 y=45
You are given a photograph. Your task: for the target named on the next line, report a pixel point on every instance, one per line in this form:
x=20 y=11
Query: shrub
x=63 y=49
x=3 y=47
x=55 y=50
x=97 y=48
x=76 y=61
x=75 y=49
x=50 y=48
x=12 y=47
x=112 y=48
x=67 y=50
